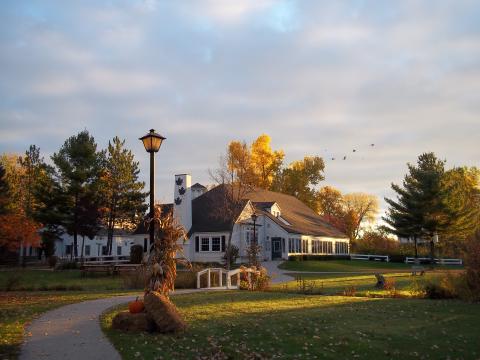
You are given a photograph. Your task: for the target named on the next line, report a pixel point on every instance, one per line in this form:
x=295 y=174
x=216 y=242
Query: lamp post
x=152 y=142
x=254 y=219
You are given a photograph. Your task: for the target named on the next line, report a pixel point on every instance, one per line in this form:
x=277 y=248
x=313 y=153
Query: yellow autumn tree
x=265 y=162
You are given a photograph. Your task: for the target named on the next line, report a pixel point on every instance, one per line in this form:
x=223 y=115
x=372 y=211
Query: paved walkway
x=278 y=275
x=73 y=332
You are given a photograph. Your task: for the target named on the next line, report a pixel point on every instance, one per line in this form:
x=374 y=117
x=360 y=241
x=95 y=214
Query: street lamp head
x=152 y=141
x=254 y=217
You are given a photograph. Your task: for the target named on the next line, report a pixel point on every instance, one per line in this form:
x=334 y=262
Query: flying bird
x=372 y=144
x=354 y=150
x=333 y=158
x=344 y=158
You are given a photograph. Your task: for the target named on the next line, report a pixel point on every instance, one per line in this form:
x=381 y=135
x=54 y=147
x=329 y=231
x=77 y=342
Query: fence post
x=208 y=281
x=220 y=275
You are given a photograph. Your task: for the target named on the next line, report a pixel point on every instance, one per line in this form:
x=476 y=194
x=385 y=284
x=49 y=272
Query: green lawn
x=255 y=325
x=349 y=266
x=19 y=308
x=45 y=280
x=364 y=285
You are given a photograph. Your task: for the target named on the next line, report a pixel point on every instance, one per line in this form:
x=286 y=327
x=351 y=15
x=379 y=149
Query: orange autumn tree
x=15 y=229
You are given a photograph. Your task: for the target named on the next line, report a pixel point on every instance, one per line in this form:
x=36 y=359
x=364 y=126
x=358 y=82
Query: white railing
x=411 y=260
x=117 y=259
x=220 y=272
x=370 y=257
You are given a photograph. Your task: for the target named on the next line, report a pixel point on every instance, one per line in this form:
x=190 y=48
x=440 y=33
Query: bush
x=397 y=258
x=136 y=254
x=231 y=255
x=13 y=281
x=350 y=291
x=318 y=257
x=257 y=281
x=52 y=261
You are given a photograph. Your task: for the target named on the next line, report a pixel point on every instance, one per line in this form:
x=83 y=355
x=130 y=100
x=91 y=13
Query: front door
x=276 y=248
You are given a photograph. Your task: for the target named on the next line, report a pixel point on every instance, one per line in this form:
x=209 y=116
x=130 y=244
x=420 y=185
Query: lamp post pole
x=152 y=199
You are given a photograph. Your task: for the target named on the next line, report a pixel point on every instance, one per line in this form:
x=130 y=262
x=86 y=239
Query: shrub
x=136 y=254
x=350 y=291
x=254 y=281
x=52 y=261
x=305 y=287
x=390 y=286
x=231 y=255
x=13 y=281
x=318 y=257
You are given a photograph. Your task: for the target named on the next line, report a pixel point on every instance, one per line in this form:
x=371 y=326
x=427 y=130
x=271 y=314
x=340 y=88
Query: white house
x=285 y=226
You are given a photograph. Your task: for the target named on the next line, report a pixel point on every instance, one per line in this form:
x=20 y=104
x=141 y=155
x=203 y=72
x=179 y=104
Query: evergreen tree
x=78 y=166
x=51 y=209
x=419 y=211
x=122 y=192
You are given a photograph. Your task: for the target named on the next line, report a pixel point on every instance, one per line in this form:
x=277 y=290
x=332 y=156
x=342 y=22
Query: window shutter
x=197 y=244
x=223 y=242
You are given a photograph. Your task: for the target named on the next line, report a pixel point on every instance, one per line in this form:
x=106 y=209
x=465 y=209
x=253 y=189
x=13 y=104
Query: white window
x=205 y=244
x=215 y=244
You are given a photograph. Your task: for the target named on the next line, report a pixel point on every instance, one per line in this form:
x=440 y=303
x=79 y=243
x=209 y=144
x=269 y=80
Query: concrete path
x=278 y=275
x=73 y=332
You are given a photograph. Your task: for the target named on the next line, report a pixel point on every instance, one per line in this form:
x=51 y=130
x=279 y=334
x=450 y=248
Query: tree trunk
x=416 y=246
x=83 y=245
x=74 y=251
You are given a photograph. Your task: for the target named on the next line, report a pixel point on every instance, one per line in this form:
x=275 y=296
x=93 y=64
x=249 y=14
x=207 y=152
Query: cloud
x=319 y=77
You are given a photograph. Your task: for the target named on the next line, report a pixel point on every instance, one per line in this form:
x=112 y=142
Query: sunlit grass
x=246 y=325
x=404 y=283
x=350 y=265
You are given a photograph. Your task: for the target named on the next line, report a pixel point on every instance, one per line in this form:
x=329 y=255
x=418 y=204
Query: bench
x=125 y=268
x=97 y=268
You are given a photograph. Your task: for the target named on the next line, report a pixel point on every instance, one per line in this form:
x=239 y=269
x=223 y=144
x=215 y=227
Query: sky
x=320 y=77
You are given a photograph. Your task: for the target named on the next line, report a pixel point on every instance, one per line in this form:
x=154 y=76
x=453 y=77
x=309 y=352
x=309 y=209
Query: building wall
x=124 y=242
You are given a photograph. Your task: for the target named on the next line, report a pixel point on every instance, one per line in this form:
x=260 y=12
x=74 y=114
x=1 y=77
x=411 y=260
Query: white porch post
x=198 y=280
x=220 y=275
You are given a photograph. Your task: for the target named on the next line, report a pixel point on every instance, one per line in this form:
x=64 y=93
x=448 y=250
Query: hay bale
x=126 y=321
x=164 y=313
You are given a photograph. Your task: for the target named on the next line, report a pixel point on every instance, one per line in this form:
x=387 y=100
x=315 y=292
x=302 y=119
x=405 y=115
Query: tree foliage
x=434 y=201
x=121 y=191
x=300 y=178
x=265 y=162
x=78 y=167
x=348 y=212
x=16 y=230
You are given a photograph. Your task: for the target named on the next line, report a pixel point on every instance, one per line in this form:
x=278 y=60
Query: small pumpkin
x=136 y=306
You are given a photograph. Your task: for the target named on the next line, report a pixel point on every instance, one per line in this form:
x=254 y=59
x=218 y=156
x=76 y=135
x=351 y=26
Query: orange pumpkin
x=136 y=306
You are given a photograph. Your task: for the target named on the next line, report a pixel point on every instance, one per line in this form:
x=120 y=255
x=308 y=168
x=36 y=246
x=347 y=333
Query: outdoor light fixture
x=152 y=141
x=254 y=219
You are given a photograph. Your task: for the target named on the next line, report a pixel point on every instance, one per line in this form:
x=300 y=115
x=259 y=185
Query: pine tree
x=78 y=165
x=419 y=211
x=122 y=193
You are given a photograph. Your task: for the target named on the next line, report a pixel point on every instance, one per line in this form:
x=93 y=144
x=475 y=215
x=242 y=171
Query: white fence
x=221 y=273
x=98 y=259
x=411 y=260
x=370 y=257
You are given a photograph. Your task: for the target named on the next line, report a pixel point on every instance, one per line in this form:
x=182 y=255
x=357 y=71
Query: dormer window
x=275 y=210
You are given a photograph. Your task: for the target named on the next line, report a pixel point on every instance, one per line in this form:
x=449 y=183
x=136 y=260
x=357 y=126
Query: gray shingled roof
x=207 y=214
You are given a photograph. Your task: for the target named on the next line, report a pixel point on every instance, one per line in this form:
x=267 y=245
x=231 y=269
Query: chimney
x=182 y=200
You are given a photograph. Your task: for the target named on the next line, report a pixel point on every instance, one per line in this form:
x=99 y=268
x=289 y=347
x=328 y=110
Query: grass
x=254 y=325
x=47 y=280
x=17 y=309
x=330 y=284
x=348 y=266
